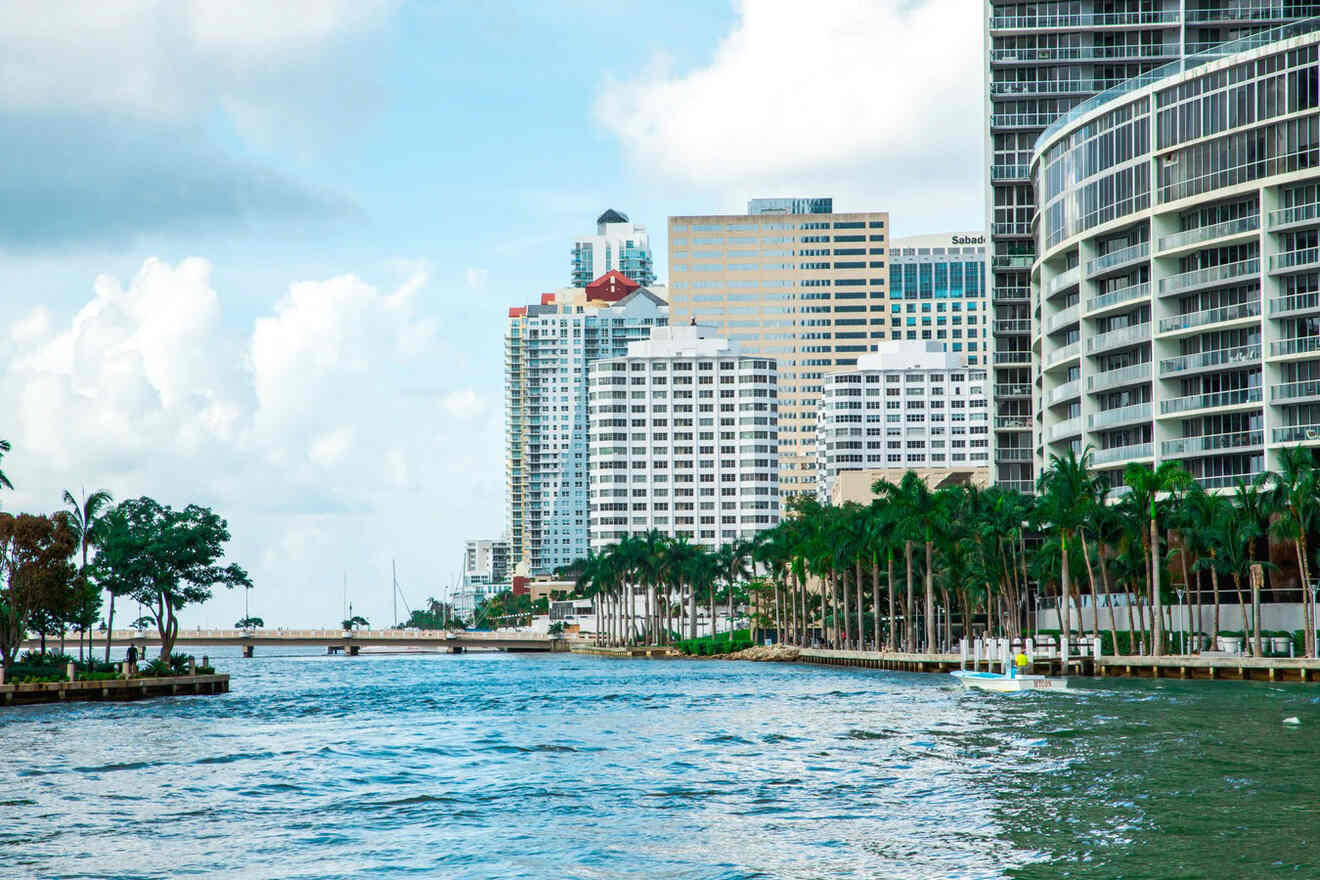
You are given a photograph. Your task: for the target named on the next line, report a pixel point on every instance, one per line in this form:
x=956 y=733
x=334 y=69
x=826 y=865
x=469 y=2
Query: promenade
x=349 y=641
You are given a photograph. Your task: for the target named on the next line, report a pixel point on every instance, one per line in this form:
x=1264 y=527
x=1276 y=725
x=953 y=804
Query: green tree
x=84 y=516
x=351 y=623
x=250 y=622
x=1147 y=486
x=36 y=575
x=1296 y=497
x=165 y=559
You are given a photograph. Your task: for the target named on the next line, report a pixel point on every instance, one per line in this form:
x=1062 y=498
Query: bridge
x=335 y=640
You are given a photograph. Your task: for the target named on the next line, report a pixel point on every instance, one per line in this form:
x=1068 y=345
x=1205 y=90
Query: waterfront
x=494 y=766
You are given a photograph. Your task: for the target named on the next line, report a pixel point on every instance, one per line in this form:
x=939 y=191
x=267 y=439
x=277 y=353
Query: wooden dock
x=1224 y=667
x=114 y=690
x=649 y=652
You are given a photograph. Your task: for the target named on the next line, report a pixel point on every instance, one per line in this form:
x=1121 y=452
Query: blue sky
x=259 y=257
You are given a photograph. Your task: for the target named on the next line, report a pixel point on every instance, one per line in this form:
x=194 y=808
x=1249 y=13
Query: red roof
x=547 y=299
x=611 y=287
x=518 y=311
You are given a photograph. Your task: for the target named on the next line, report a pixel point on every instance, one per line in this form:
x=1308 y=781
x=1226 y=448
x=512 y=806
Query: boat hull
x=990 y=681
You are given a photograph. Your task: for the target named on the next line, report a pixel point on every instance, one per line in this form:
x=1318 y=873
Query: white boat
x=993 y=681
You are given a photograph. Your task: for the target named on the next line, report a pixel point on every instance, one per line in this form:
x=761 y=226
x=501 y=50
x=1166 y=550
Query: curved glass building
x=1175 y=294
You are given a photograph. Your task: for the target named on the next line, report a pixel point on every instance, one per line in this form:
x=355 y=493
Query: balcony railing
x=1012 y=423
x=1123 y=376
x=1013 y=389
x=1011 y=230
x=1131 y=253
x=1137 y=412
x=1086 y=53
x=1240 y=356
x=1067 y=428
x=1297 y=434
x=1021 y=120
x=1237 y=311
x=1067 y=278
x=1295 y=390
x=1295 y=214
x=1062 y=354
x=1212 y=443
x=1051 y=87
x=1013 y=453
x=1066 y=391
x=1010 y=172
x=1012 y=325
x=1304 y=257
x=1012 y=357
x=1259 y=12
x=1233 y=397
x=1122 y=453
x=1026 y=487
x=1133 y=335
x=1210 y=275
x=1301 y=345
x=1200 y=234
x=1062 y=319
x=1298 y=302
x=1083 y=20
x=1132 y=292
x=1012 y=261
x=1224 y=481
x=1012 y=294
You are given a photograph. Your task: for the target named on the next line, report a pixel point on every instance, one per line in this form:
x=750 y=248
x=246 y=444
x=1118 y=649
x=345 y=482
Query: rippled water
x=500 y=766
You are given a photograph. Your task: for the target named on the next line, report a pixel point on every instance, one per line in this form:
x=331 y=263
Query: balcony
x=1012 y=423
x=1013 y=390
x=1297 y=434
x=1202 y=234
x=1051 y=87
x=1235 y=397
x=1063 y=280
x=1026 y=487
x=1260 y=12
x=1065 y=392
x=1062 y=355
x=1020 y=326
x=1115 y=298
x=1291 y=261
x=1191 y=320
x=1022 y=120
x=1067 y=428
x=1293 y=347
x=1122 y=453
x=1219 y=358
x=1122 y=257
x=1074 y=21
x=1133 y=375
x=1012 y=261
x=1212 y=443
x=1282 y=306
x=1011 y=230
x=1013 y=453
x=1295 y=391
x=1012 y=357
x=1012 y=294
x=1063 y=319
x=1295 y=216
x=1010 y=172
x=1210 y=276
x=1122 y=415
x=1124 y=336
x=1084 y=53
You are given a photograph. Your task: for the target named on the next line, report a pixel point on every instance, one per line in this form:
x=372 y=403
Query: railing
x=1212 y=442
x=1301 y=345
x=1012 y=261
x=1066 y=391
x=1013 y=453
x=1010 y=172
x=1012 y=294
x=1086 y=53
x=1018 y=230
x=1234 y=357
x=1294 y=259
x=1138 y=251
x=1134 y=334
x=1297 y=433
x=1237 y=311
x=1051 y=86
x=1066 y=428
x=1295 y=390
x=1210 y=275
x=1260 y=12
x=1062 y=319
x=1012 y=357
x=1122 y=376
x=1136 y=412
x=1011 y=325
x=1232 y=397
x=1297 y=302
x=1140 y=290
x=1066 y=278
x=1062 y=354
x=1012 y=423
x=1026 y=487
x=1223 y=481
x=1021 y=120
x=1207 y=233
x=1013 y=389
x=1079 y=20
x=1295 y=214
x=1122 y=453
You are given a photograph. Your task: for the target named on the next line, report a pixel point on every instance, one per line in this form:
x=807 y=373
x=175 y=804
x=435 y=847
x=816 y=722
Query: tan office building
x=793 y=281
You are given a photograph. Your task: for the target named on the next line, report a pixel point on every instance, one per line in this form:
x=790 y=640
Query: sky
x=258 y=256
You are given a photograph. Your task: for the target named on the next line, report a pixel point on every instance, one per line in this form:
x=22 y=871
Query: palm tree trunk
x=1065 y=613
x=1214 y=585
x=109 y=627
x=893 y=619
x=1109 y=597
x=844 y=628
x=1095 y=596
x=1157 y=601
x=930 y=595
x=861 y=618
x=910 y=635
x=875 y=601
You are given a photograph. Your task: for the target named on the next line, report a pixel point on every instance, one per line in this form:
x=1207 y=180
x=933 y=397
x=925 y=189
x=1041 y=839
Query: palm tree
x=1295 y=497
x=84 y=517
x=1147 y=485
x=4 y=481
x=914 y=503
x=1066 y=495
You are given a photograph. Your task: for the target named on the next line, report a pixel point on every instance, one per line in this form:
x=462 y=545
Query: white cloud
x=476 y=278
x=876 y=102
x=300 y=429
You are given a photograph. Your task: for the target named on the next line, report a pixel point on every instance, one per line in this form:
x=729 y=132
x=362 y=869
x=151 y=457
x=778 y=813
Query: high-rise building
x=1177 y=289
x=808 y=290
x=1043 y=60
x=486 y=562
x=937 y=293
x=619 y=245
x=548 y=348
x=790 y=206
x=683 y=440
x=908 y=406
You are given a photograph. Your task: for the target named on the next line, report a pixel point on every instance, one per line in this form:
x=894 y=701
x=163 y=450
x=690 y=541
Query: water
x=499 y=766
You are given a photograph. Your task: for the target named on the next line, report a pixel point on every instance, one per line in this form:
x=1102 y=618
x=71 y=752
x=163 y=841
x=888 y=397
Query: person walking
x=131 y=658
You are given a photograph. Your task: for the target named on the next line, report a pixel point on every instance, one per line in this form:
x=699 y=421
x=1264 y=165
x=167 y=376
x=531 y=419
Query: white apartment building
x=937 y=292
x=548 y=348
x=808 y=289
x=683 y=440
x=619 y=245
x=485 y=562
x=908 y=406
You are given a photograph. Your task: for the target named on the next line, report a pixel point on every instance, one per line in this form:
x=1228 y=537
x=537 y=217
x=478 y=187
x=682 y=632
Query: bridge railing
x=408 y=635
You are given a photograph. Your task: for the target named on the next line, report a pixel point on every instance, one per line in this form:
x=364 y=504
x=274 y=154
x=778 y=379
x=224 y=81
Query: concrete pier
x=112 y=690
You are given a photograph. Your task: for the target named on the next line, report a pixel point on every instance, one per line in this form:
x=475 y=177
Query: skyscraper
x=937 y=293
x=807 y=289
x=618 y=246
x=548 y=349
x=1044 y=59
